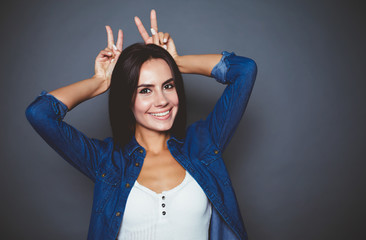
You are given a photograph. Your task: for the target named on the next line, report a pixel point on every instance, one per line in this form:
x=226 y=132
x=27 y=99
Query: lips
x=162 y=115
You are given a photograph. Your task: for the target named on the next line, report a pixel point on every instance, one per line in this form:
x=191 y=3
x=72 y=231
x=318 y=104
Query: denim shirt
x=114 y=170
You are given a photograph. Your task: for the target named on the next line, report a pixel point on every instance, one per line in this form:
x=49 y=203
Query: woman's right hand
x=107 y=58
x=158 y=38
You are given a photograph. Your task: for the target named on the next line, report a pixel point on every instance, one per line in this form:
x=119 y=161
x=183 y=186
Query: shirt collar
x=133 y=145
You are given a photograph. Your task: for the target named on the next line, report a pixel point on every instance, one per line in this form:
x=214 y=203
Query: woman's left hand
x=159 y=38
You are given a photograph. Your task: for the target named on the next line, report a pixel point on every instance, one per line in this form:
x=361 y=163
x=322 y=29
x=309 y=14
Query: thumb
x=171 y=48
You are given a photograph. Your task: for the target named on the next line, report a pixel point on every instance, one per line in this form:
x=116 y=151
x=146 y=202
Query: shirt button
x=118 y=214
x=137 y=164
x=127 y=185
x=141 y=151
x=163 y=197
x=216 y=151
x=103 y=175
x=163 y=212
x=163 y=205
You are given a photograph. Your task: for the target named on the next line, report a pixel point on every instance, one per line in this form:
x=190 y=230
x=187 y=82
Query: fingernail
x=153 y=32
x=165 y=40
x=165 y=47
x=114 y=47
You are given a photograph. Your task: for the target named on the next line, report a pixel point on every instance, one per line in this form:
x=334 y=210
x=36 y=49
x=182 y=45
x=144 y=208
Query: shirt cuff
x=220 y=69
x=59 y=107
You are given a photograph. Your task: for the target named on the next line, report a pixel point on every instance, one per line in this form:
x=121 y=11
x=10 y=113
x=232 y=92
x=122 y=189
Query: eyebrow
x=151 y=85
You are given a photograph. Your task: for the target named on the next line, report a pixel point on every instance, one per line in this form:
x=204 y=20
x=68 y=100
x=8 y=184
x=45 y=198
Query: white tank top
x=183 y=212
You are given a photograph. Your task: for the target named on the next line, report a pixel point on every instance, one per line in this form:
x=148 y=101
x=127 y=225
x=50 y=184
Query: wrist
x=101 y=82
x=180 y=63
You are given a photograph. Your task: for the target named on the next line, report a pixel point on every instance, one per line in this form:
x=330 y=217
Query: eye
x=169 y=86
x=145 y=91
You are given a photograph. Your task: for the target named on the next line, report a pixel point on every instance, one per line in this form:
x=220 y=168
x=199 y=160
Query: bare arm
x=198 y=64
x=78 y=92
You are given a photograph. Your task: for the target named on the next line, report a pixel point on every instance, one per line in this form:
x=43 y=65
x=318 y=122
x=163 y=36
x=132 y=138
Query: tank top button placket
x=163 y=205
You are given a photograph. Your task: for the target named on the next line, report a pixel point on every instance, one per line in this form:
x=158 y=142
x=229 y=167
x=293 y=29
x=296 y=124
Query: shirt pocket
x=214 y=162
x=105 y=186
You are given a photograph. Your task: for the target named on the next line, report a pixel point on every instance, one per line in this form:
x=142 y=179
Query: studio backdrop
x=297 y=160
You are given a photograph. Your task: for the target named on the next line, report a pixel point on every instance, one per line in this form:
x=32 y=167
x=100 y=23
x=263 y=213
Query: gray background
x=297 y=158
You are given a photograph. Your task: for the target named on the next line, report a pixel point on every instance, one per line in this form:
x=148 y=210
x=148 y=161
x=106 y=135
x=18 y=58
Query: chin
x=162 y=128
x=156 y=127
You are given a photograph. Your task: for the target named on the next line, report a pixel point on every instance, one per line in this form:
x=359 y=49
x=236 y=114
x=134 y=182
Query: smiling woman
x=140 y=78
x=156 y=101
x=155 y=178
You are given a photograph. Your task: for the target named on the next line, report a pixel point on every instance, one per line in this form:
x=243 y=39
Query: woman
x=154 y=179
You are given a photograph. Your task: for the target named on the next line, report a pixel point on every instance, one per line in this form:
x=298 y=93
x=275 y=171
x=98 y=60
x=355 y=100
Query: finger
x=107 y=55
x=120 y=40
x=104 y=55
x=106 y=52
x=166 y=37
x=145 y=36
x=116 y=51
x=161 y=37
x=170 y=44
x=155 y=37
x=109 y=49
x=110 y=36
x=153 y=20
x=109 y=52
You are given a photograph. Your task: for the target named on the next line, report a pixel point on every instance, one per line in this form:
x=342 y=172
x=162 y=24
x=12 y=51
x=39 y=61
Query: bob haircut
x=122 y=92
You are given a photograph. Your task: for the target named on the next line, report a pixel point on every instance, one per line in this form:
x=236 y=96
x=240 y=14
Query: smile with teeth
x=160 y=114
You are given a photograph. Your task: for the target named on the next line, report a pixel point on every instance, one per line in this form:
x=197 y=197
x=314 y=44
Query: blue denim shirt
x=115 y=170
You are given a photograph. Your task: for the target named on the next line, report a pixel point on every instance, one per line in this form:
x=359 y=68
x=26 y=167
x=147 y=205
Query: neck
x=152 y=141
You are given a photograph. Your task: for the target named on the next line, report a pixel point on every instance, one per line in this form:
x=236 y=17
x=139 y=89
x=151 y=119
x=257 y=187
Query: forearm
x=78 y=92
x=198 y=64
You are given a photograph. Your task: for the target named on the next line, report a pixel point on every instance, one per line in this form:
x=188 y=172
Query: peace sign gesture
x=158 y=38
x=107 y=58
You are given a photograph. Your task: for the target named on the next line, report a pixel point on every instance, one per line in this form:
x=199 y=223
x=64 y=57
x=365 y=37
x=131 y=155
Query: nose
x=160 y=99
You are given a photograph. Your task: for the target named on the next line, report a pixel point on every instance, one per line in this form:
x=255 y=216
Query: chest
x=183 y=212
x=161 y=172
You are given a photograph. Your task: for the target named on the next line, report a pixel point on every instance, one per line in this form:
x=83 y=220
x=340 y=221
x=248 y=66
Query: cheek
x=174 y=99
x=140 y=106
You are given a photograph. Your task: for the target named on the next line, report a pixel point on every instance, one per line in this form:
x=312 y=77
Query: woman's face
x=156 y=102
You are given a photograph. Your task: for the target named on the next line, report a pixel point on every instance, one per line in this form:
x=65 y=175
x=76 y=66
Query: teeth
x=160 y=114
